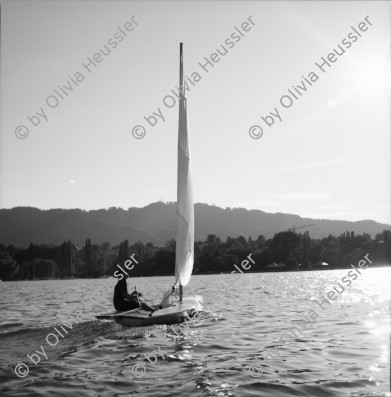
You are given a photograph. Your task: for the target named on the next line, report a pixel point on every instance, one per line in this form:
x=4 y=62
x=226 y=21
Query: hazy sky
x=328 y=157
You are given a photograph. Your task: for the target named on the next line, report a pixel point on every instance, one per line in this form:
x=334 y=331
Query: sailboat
x=174 y=307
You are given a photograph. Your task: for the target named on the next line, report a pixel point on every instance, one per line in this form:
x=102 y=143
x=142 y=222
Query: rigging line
x=183 y=150
x=159 y=306
x=186 y=221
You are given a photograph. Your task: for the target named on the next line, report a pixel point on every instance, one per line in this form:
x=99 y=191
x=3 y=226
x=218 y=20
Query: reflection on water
x=235 y=349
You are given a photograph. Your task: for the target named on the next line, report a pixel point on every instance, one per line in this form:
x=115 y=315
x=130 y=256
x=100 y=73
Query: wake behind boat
x=174 y=309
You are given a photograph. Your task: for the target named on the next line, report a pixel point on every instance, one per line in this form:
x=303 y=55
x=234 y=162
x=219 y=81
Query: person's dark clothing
x=120 y=302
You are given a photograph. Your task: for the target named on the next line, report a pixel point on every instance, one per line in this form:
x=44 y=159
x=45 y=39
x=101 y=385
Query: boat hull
x=175 y=313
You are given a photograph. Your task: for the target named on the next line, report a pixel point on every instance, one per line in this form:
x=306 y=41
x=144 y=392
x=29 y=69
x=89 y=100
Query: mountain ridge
x=156 y=223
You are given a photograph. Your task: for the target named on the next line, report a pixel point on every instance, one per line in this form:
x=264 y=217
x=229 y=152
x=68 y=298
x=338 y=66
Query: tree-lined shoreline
x=286 y=251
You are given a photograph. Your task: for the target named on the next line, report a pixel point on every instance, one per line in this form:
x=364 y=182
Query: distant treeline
x=286 y=251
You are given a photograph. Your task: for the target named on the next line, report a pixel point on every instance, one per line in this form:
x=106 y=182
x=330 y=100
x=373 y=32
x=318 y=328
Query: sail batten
x=184 y=256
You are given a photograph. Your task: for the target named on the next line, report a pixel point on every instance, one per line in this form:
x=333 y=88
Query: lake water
x=247 y=343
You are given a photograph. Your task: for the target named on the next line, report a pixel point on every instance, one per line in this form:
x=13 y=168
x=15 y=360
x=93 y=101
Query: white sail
x=184 y=257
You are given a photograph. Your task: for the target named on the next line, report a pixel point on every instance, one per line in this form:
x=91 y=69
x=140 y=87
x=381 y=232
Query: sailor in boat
x=123 y=301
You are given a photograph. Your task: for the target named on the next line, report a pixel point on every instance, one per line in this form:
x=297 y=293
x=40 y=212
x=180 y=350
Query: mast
x=184 y=256
x=180 y=107
x=181 y=68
